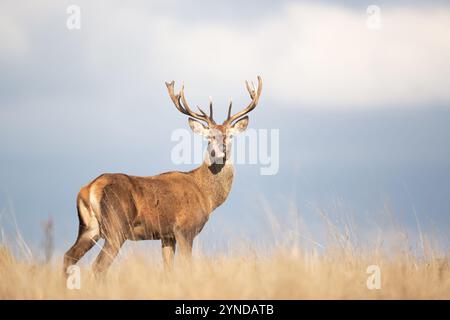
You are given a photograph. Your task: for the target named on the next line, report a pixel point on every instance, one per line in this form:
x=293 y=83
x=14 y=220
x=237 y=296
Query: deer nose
x=220 y=155
x=217 y=152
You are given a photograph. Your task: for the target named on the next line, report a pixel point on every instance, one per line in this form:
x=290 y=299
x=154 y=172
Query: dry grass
x=292 y=266
x=282 y=274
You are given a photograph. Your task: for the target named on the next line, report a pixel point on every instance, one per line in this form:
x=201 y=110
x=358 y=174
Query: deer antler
x=254 y=95
x=181 y=104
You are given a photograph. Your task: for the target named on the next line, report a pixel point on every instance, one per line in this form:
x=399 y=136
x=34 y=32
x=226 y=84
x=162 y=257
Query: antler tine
x=254 y=94
x=181 y=104
x=210 y=109
x=185 y=104
x=210 y=117
x=251 y=91
x=229 y=108
x=202 y=112
x=174 y=97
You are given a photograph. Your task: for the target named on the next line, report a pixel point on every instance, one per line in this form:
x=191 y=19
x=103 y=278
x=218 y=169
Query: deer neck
x=216 y=180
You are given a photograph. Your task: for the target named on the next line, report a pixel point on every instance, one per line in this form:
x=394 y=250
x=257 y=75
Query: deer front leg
x=168 y=252
x=185 y=241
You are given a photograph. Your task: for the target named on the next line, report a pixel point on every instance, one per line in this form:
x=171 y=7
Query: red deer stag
x=172 y=207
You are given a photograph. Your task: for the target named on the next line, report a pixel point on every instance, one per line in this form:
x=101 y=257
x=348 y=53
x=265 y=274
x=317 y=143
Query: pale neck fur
x=216 y=180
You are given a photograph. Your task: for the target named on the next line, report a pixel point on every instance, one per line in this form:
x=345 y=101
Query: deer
x=172 y=207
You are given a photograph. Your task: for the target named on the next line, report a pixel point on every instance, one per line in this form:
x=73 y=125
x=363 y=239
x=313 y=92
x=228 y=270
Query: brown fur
x=172 y=207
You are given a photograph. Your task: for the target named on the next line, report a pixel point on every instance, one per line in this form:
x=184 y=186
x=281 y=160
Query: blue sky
x=363 y=114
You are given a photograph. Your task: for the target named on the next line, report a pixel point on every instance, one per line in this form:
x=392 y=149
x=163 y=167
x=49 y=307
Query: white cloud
x=310 y=55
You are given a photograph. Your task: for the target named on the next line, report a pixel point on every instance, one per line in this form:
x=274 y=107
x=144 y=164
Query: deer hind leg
x=88 y=235
x=106 y=257
x=116 y=226
x=168 y=252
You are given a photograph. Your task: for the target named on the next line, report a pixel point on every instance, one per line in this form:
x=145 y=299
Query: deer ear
x=198 y=127
x=239 y=126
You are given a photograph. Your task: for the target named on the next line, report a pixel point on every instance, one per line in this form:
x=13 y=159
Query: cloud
x=310 y=55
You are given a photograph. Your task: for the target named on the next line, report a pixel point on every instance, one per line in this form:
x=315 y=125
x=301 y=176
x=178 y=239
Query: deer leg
x=85 y=241
x=168 y=252
x=88 y=235
x=185 y=242
x=107 y=255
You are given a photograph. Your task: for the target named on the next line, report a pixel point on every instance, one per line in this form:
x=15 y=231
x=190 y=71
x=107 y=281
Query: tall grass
x=285 y=269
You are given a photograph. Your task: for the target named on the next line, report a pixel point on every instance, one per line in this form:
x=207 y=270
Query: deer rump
x=142 y=208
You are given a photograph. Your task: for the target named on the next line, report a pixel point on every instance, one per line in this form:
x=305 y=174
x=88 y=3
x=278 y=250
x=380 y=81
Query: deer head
x=218 y=135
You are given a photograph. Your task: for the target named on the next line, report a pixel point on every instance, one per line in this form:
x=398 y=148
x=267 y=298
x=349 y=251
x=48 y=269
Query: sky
x=362 y=110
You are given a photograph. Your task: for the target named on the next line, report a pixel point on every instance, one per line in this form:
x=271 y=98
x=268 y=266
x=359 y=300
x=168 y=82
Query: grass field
x=282 y=273
x=291 y=265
